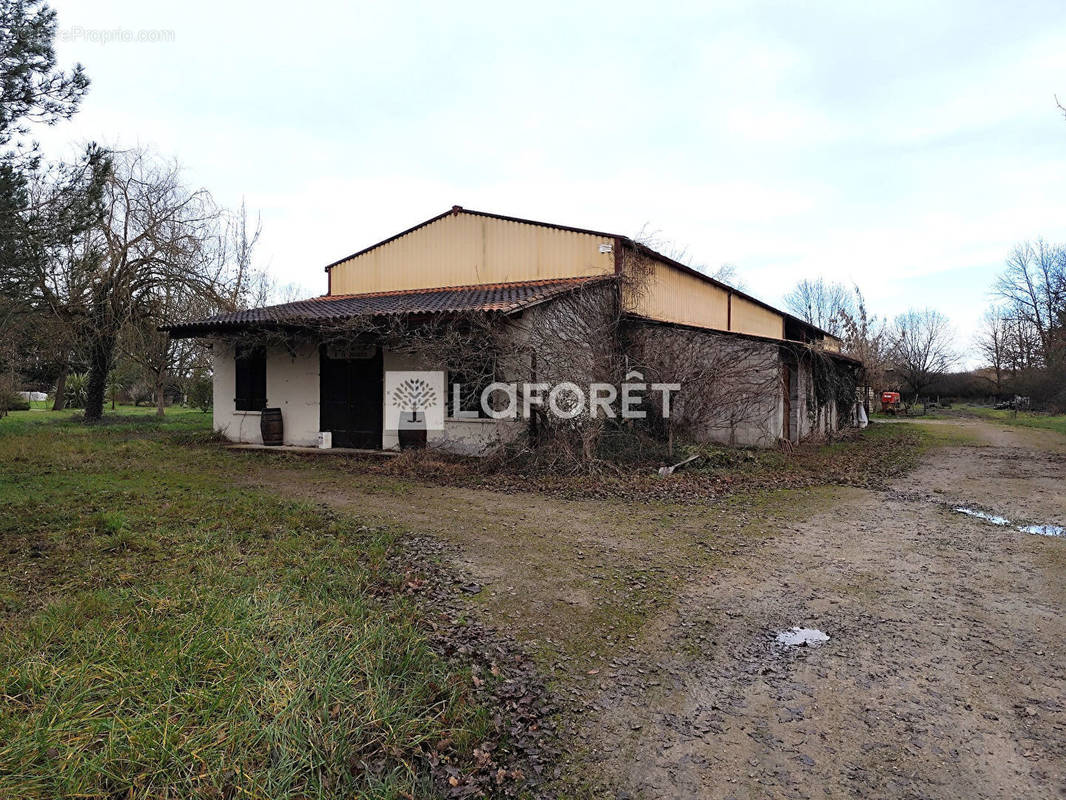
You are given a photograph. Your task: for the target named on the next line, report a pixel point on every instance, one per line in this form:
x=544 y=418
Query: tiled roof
x=505 y=298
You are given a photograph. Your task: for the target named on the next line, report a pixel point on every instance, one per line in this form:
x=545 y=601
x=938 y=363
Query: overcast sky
x=905 y=148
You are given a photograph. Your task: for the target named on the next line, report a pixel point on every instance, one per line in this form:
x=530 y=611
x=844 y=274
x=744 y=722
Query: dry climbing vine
x=831 y=383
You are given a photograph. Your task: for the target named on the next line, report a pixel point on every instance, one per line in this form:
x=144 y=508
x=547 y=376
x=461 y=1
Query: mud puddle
x=1043 y=530
x=801 y=637
x=995 y=519
x=973 y=512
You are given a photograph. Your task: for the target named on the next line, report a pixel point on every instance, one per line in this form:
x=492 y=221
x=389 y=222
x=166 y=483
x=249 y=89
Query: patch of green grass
x=110 y=523
x=166 y=634
x=940 y=434
x=1024 y=419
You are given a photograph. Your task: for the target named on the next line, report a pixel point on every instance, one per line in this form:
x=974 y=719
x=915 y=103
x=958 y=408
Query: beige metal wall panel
x=670 y=295
x=463 y=249
x=749 y=317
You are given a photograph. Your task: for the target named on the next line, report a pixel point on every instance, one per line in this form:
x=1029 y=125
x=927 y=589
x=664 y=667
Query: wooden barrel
x=412 y=438
x=413 y=434
x=271 y=426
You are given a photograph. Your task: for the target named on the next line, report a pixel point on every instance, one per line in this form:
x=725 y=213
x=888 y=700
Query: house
x=484 y=301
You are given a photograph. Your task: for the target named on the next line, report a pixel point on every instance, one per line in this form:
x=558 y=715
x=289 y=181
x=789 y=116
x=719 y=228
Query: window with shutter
x=251 y=380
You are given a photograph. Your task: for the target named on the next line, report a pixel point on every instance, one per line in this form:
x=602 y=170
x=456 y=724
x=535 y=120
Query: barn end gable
x=462 y=248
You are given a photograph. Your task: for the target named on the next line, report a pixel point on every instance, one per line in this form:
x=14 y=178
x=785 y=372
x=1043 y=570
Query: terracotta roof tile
x=506 y=298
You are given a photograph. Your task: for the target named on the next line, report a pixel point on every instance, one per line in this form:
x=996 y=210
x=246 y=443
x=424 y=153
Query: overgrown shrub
x=10 y=401
x=76 y=390
x=201 y=393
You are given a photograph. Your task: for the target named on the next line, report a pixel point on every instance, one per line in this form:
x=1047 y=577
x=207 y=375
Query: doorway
x=352 y=395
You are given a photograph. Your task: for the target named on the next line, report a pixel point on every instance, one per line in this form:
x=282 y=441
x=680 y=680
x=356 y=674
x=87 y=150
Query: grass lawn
x=1025 y=419
x=164 y=633
x=179 y=620
x=580 y=563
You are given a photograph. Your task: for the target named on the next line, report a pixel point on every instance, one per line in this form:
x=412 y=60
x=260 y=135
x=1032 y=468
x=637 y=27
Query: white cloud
x=904 y=147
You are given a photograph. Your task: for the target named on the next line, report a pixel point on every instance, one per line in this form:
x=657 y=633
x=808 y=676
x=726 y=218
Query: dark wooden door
x=352 y=391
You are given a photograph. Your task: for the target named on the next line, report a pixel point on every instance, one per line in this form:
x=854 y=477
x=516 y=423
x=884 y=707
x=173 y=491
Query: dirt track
x=945 y=673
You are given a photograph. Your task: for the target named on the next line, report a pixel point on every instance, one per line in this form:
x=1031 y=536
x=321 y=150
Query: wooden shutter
x=251 y=380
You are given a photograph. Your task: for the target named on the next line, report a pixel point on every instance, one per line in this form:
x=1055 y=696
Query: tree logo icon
x=414 y=400
x=415 y=395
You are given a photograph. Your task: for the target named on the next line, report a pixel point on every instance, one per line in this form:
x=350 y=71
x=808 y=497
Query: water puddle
x=1043 y=530
x=973 y=512
x=1038 y=530
x=802 y=637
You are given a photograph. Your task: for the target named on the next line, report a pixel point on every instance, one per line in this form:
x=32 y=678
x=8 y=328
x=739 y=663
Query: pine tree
x=41 y=207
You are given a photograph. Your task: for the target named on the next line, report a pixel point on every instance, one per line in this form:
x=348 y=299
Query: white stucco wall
x=236 y=426
x=464 y=436
x=291 y=385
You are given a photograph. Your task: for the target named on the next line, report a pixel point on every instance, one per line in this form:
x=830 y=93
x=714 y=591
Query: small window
x=251 y=380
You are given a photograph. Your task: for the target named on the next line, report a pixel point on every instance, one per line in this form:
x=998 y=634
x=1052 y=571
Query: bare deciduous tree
x=993 y=343
x=240 y=284
x=922 y=347
x=727 y=273
x=1033 y=286
x=821 y=303
x=155 y=233
x=163 y=360
x=865 y=338
x=1023 y=338
x=230 y=281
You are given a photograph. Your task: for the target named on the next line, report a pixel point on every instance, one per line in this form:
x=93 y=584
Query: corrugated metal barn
x=525 y=274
